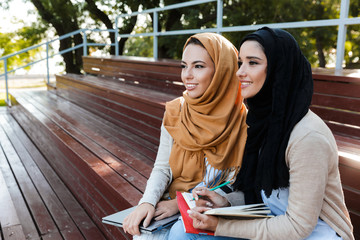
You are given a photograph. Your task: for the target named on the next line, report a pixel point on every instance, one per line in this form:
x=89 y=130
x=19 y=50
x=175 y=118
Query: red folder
x=186 y=219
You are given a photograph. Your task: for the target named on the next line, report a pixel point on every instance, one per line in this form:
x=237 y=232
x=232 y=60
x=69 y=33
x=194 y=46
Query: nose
x=241 y=72
x=186 y=73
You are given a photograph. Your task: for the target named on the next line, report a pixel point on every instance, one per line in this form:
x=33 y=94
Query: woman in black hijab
x=290 y=161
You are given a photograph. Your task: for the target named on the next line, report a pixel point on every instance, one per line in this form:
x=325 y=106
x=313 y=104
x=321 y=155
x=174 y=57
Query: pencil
x=223 y=184
x=214 y=188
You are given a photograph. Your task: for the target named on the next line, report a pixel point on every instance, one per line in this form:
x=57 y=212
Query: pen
x=214 y=188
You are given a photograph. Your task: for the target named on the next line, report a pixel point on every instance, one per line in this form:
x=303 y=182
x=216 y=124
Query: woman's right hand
x=206 y=198
x=143 y=211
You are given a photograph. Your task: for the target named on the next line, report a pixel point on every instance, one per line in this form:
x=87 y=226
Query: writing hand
x=206 y=198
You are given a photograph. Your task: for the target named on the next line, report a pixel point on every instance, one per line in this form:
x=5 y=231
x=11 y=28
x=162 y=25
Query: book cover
x=117 y=219
x=187 y=221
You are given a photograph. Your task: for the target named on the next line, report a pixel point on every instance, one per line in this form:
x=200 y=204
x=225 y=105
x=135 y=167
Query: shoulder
x=311 y=126
x=175 y=102
x=310 y=137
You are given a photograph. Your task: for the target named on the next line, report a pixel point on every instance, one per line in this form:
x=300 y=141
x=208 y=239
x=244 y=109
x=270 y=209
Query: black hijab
x=281 y=103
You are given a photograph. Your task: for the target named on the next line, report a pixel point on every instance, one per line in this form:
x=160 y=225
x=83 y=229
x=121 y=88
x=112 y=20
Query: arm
x=157 y=184
x=160 y=176
x=308 y=161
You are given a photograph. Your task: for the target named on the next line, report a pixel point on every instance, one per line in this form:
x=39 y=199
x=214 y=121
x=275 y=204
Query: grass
x=2 y=99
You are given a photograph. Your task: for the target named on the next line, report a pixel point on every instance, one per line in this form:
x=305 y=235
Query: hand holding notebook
x=237 y=212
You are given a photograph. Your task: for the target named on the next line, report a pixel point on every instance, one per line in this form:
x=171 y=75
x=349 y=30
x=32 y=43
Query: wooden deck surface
x=34 y=202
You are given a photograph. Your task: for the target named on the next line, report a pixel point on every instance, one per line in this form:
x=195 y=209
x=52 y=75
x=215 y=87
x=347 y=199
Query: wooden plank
x=145 y=79
x=337 y=116
x=163 y=65
x=337 y=102
x=352 y=198
x=132 y=159
x=104 y=86
x=337 y=88
x=345 y=130
x=39 y=211
x=110 y=115
x=93 y=167
x=84 y=190
x=78 y=214
x=136 y=125
x=28 y=225
x=13 y=232
x=151 y=97
x=9 y=221
x=112 y=132
x=59 y=214
x=350 y=177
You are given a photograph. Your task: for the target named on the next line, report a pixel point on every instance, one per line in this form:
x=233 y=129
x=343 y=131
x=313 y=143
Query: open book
x=251 y=211
x=244 y=211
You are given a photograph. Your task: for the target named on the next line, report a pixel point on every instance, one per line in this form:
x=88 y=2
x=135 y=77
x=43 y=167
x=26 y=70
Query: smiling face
x=197 y=70
x=252 y=68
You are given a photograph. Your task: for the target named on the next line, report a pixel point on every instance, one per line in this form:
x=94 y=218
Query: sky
x=18 y=11
x=13 y=19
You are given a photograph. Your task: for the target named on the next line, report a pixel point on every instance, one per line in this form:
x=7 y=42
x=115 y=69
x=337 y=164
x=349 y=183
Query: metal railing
x=47 y=44
x=342 y=22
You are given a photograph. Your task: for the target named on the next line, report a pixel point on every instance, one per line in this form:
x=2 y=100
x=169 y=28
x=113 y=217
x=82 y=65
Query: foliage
x=15 y=41
x=63 y=16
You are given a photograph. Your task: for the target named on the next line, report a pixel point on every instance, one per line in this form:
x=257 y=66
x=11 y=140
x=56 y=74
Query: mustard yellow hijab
x=212 y=125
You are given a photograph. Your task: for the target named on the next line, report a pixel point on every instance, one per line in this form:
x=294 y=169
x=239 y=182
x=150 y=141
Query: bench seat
x=336 y=100
x=103 y=165
x=34 y=202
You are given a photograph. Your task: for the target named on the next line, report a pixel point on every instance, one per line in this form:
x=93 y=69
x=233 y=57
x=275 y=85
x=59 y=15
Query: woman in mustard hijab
x=203 y=132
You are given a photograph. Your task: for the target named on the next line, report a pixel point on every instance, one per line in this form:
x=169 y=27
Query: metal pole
x=6 y=82
x=116 y=37
x=47 y=63
x=340 y=47
x=155 y=36
x=219 y=22
x=84 y=43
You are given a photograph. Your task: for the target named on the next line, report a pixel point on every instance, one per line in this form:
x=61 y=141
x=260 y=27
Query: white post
x=47 y=63
x=340 y=47
x=219 y=18
x=155 y=36
x=84 y=43
x=116 y=37
x=6 y=82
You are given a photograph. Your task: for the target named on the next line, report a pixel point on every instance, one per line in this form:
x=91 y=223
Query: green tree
x=65 y=16
x=318 y=43
x=15 y=41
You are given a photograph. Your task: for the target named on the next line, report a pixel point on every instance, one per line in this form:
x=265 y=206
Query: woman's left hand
x=202 y=221
x=166 y=209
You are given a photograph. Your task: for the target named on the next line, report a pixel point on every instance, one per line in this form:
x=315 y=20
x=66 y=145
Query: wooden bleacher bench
x=161 y=75
x=34 y=202
x=100 y=131
x=100 y=134
x=336 y=100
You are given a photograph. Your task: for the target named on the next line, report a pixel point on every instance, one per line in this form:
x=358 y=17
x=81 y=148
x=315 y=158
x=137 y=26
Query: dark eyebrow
x=253 y=57
x=194 y=62
x=198 y=61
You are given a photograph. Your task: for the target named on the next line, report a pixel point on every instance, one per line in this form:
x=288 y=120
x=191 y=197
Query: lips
x=245 y=84
x=190 y=86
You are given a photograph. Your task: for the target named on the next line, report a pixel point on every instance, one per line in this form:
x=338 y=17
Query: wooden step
x=103 y=171
x=45 y=207
x=140 y=113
